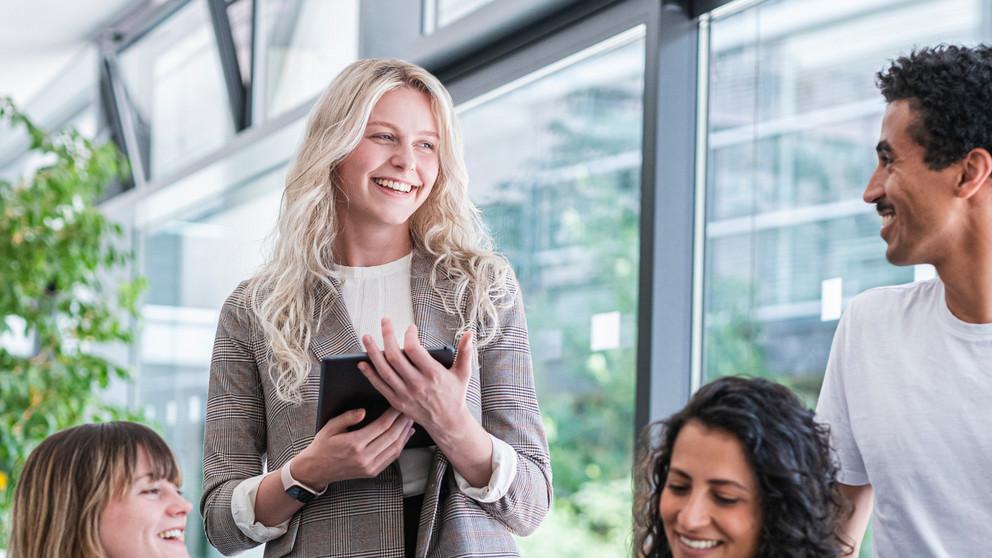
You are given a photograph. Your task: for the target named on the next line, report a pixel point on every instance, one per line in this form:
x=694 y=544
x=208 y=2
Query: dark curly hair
x=789 y=451
x=950 y=89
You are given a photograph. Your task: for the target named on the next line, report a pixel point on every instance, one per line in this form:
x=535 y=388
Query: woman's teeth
x=393 y=185
x=698 y=545
x=176 y=534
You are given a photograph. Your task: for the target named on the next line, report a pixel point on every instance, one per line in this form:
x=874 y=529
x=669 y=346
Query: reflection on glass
x=175 y=91
x=193 y=262
x=555 y=166
x=305 y=44
x=239 y=14
x=448 y=11
x=793 y=120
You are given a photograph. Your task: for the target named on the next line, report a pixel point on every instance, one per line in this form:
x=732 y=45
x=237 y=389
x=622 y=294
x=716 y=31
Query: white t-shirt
x=369 y=294
x=908 y=397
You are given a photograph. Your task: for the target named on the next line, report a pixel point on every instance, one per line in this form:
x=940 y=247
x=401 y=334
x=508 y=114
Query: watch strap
x=295 y=488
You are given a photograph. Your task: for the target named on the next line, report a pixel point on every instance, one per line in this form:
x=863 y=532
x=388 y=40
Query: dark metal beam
x=123 y=118
x=236 y=91
x=664 y=332
x=112 y=115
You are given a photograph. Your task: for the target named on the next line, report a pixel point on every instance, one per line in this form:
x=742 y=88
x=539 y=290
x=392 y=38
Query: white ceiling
x=39 y=38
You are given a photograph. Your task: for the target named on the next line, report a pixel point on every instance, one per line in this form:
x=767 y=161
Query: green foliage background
x=56 y=249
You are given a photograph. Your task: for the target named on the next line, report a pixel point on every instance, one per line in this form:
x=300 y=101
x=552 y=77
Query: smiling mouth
x=698 y=544
x=886 y=213
x=395 y=185
x=173 y=535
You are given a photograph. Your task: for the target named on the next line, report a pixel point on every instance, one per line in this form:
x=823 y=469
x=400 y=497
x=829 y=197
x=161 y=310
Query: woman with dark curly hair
x=743 y=470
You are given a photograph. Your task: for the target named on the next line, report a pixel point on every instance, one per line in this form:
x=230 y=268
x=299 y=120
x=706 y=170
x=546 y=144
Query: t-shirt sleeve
x=832 y=407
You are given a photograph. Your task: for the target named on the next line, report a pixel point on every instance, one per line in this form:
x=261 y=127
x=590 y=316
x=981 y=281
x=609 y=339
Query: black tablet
x=343 y=387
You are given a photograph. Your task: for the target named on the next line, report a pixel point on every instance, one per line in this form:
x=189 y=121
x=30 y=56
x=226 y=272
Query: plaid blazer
x=246 y=425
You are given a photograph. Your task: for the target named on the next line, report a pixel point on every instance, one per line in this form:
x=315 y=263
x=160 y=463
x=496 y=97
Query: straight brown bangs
x=123 y=441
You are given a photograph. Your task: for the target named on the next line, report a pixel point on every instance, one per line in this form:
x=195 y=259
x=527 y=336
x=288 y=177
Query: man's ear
x=975 y=172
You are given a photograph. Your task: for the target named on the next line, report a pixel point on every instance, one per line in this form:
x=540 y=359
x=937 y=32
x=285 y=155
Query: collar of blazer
x=336 y=335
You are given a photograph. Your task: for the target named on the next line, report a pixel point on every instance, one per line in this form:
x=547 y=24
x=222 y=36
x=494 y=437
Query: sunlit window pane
x=175 y=91
x=305 y=44
x=793 y=120
x=193 y=262
x=555 y=164
x=449 y=11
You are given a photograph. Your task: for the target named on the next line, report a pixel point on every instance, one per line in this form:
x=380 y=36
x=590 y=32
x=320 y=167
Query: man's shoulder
x=895 y=299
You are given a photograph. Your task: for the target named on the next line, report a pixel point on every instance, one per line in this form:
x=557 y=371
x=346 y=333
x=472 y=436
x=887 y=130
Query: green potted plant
x=57 y=252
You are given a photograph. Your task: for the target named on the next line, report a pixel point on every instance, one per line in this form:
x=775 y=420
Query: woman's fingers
x=417 y=354
x=392 y=451
x=396 y=355
x=387 y=438
x=342 y=422
x=383 y=368
x=387 y=391
x=462 y=366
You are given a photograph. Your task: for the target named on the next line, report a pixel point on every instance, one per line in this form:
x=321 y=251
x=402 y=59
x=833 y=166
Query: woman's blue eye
x=387 y=137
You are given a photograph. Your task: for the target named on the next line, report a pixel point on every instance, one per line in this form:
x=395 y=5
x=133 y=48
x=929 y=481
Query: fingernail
x=409 y=433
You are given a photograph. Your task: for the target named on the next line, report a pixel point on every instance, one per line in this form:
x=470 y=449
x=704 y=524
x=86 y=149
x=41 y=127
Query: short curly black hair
x=789 y=450
x=950 y=89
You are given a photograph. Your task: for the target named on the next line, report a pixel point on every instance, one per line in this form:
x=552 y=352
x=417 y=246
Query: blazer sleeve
x=511 y=413
x=234 y=438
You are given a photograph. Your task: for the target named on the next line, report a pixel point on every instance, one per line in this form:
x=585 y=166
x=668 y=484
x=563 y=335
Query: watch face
x=300 y=493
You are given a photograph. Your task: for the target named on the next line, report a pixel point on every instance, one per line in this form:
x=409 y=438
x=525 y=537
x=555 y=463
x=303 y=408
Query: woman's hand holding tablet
x=337 y=454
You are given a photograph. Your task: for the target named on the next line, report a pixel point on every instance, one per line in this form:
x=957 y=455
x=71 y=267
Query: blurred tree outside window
x=555 y=167
x=57 y=254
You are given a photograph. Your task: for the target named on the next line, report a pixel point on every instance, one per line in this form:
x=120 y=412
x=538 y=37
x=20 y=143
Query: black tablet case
x=343 y=387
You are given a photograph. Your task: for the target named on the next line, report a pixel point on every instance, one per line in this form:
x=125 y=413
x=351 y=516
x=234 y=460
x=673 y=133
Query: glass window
x=793 y=119
x=305 y=44
x=193 y=262
x=555 y=161
x=175 y=91
x=794 y=116
x=439 y=13
x=239 y=14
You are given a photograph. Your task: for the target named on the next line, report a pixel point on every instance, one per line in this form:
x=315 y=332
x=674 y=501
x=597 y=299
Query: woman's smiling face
x=392 y=171
x=149 y=520
x=710 y=504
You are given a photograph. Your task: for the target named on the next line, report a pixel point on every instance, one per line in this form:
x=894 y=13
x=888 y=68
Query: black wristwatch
x=296 y=489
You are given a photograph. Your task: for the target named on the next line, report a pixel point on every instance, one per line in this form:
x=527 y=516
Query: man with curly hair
x=908 y=388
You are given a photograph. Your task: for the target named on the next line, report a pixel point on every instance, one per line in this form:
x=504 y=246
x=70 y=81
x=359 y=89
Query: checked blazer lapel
x=428 y=310
x=335 y=334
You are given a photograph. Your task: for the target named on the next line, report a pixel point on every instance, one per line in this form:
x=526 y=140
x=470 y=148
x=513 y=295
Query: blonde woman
x=377 y=249
x=100 y=491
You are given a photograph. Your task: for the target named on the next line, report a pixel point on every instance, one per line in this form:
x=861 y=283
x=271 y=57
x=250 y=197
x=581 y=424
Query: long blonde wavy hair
x=447 y=227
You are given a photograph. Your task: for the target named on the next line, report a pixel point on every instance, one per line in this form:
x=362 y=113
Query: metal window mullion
x=665 y=307
x=259 y=42
x=120 y=117
x=236 y=94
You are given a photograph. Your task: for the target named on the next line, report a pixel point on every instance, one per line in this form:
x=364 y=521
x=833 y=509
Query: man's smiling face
x=921 y=216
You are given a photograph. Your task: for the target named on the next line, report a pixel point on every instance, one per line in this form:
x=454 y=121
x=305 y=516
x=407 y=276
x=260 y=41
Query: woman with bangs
x=100 y=491
x=377 y=249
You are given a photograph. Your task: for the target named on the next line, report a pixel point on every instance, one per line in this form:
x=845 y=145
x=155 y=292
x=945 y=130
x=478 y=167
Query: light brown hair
x=70 y=478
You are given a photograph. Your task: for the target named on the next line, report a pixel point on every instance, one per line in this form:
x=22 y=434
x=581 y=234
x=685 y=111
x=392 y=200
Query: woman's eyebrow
x=714 y=482
x=725 y=482
x=430 y=133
